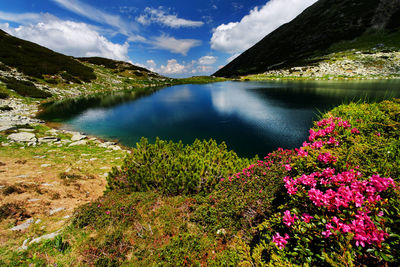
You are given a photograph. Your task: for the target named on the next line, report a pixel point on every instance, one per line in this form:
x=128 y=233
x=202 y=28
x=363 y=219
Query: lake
x=251 y=117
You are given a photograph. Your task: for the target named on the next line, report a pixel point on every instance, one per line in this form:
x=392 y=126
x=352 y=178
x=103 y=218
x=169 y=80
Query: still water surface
x=251 y=117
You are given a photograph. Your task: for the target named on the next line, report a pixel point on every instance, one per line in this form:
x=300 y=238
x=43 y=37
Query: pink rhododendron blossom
x=355 y=131
x=326 y=158
x=280 y=241
x=306 y=217
x=288 y=167
x=288 y=219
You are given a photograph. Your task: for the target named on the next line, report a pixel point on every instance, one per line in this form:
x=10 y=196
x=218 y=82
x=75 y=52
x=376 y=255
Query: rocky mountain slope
x=31 y=70
x=327 y=26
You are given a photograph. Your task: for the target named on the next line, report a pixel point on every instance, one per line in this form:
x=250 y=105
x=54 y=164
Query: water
x=251 y=117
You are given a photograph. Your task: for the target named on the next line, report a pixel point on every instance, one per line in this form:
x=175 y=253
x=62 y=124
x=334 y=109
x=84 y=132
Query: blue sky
x=177 y=38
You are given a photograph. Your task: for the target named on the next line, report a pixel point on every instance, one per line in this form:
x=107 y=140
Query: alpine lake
x=250 y=117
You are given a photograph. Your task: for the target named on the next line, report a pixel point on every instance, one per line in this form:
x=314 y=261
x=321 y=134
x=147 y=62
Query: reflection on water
x=251 y=117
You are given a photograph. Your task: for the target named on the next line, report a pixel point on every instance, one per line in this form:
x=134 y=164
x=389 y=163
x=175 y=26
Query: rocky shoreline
x=344 y=65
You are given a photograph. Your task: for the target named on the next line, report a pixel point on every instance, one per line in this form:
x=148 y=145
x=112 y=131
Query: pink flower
x=326 y=233
x=288 y=219
x=280 y=241
x=326 y=158
x=288 y=167
x=306 y=217
x=355 y=131
x=108 y=212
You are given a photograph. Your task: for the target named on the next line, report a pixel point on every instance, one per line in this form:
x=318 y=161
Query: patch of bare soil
x=29 y=188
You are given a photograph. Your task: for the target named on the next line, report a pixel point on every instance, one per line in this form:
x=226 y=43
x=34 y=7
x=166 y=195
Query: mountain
x=30 y=70
x=326 y=24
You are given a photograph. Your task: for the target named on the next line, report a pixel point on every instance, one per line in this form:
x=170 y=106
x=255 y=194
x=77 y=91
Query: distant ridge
x=323 y=24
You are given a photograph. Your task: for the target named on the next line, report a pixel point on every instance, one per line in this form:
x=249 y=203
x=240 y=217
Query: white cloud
x=236 y=37
x=177 y=46
x=68 y=37
x=173 y=67
x=151 y=65
x=20 y=18
x=207 y=60
x=96 y=15
x=160 y=16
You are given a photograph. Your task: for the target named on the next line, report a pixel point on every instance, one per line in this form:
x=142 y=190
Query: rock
x=46 y=184
x=45 y=237
x=22 y=137
x=78 y=137
x=25 y=244
x=22 y=176
x=115 y=148
x=52 y=132
x=39 y=157
x=33 y=200
x=221 y=232
x=45 y=165
x=26 y=130
x=78 y=143
x=6 y=127
x=23 y=226
x=54 y=211
x=48 y=139
x=92 y=159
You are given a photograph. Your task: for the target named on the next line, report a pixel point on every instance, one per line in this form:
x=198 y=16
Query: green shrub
x=25 y=88
x=173 y=168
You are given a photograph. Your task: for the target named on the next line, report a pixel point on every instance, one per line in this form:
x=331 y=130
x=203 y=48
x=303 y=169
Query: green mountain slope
x=320 y=27
x=37 y=61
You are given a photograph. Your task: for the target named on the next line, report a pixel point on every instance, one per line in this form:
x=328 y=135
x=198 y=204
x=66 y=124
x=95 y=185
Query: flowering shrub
x=335 y=211
x=242 y=200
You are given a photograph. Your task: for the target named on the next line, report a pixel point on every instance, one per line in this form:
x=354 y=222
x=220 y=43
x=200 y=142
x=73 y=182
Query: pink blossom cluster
x=288 y=219
x=326 y=158
x=280 y=241
x=364 y=229
x=328 y=132
x=343 y=190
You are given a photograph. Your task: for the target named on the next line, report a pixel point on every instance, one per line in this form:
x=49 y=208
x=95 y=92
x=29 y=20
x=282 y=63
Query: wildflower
x=355 y=131
x=306 y=217
x=288 y=219
x=280 y=241
x=288 y=167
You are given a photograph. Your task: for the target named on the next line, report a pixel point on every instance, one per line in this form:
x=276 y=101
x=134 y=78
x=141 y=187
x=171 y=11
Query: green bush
x=25 y=88
x=173 y=168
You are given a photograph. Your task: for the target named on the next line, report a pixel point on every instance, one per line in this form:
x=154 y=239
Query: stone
x=48 y=139
x=45 y=165
x=23 y=226
x=78 y=137
x=22 y=137
x=26 y=130
x=46 y=184
x=6 y=127
x=45 y=237
x=54 y=211
x=78 y=143
x=33 y=200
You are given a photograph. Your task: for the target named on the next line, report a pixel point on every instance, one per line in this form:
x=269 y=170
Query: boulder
x=78 y=137
x=22 y=137
x=48 y=139
x=78 y=143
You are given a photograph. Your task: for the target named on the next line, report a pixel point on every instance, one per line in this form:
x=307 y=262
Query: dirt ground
x=40 y=190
